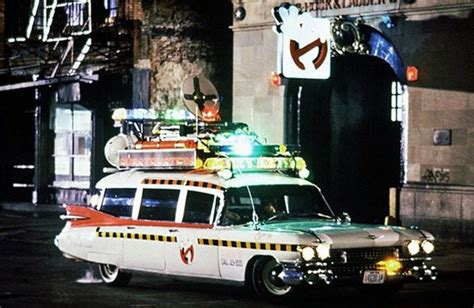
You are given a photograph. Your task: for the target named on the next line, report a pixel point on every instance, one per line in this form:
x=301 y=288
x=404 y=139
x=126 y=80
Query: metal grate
x=348 y=262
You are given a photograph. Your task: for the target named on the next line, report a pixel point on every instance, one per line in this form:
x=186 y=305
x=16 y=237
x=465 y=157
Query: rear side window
x=198 y=207
x=159 y=204
x=118 y=202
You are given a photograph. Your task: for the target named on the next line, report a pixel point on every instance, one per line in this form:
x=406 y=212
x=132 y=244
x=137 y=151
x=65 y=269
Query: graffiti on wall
x=436 y=175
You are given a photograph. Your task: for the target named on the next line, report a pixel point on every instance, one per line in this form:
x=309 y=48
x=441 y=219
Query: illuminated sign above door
x=303 y=44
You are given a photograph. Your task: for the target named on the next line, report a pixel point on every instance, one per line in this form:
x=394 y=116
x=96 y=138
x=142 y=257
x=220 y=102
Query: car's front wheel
x=113 y=276
x=265 y=279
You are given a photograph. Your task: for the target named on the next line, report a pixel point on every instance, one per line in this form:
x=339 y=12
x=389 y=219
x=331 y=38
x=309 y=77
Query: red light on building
x=412 y=73
x=276 y=79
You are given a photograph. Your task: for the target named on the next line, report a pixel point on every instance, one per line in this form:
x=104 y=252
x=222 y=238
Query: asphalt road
x=34 y=273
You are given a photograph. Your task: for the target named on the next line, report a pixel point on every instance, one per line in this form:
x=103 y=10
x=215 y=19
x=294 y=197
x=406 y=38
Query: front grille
x=350 y=262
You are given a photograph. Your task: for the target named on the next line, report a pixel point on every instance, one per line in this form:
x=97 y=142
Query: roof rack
x=150 y=140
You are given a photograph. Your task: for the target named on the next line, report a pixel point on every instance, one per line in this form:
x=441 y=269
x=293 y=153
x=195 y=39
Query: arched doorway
x=348 y=137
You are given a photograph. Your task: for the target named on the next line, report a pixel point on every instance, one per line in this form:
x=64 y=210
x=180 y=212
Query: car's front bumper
x=325 y=273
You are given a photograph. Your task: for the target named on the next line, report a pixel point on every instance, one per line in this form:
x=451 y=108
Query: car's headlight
x=308 y=253
x=413 y=247
x=323 y=251
x=320 y=251
x=427 y=247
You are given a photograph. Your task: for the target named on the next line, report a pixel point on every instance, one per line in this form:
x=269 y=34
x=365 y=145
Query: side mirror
x=94 y=201
x=346 y=218
x=392 y=221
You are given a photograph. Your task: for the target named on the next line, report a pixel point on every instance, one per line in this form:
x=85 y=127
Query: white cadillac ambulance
x=241 y=214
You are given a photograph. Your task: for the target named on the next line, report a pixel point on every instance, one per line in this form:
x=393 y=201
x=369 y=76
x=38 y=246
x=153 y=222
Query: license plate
x=373 y=277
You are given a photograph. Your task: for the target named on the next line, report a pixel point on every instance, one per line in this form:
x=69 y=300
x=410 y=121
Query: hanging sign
x=303 y=44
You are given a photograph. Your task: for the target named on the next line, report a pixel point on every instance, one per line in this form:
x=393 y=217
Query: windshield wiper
x=286 y=216
x=279 y=216
x=313 y=214
x=325 y=216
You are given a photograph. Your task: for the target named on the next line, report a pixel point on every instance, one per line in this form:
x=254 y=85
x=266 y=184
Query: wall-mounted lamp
x=276 y=79
x=239 y=13
x=388 y=21
x=412 y=73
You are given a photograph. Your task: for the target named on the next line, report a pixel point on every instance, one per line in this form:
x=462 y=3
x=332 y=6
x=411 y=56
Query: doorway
x=17 y=124
x=347 y=134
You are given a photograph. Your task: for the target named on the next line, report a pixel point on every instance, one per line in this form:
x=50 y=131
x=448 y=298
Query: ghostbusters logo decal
x=297 y=52
x=186 y=250
x=303 y=43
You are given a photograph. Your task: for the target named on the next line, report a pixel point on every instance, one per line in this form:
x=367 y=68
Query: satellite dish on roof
x=201 y=98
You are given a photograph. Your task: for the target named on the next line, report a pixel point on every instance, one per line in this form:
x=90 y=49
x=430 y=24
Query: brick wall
x=255 y=98
x=446 y=211
x=132 y=9
x=432 y=109
x=439 y=195
x=188 y=38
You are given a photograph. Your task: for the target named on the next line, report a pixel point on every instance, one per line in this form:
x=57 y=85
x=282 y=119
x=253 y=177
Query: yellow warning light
x=391 y=266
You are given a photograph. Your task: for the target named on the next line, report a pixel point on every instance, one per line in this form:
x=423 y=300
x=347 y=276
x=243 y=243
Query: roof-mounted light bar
x=245 y=164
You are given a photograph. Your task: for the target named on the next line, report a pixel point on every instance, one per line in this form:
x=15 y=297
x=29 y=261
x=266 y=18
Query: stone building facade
x=435 y=179
x=181 y=38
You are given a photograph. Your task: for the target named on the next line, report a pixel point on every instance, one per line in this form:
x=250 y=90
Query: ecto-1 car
x=208 y=200
x=268 y=230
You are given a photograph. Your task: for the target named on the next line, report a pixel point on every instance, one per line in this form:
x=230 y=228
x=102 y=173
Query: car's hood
x=342 y=235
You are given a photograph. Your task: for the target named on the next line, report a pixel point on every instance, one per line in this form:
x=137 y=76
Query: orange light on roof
x=276 y=80
x=412 y=73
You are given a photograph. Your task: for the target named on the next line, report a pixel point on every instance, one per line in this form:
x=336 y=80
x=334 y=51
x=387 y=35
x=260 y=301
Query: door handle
x=173 y=230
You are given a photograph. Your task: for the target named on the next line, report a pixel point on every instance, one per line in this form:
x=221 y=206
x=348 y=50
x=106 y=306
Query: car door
x=194 y=252
x=147 y=239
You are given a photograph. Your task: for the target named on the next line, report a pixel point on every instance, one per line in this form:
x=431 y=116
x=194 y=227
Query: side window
x=198 y=207
x=159 y=204
x=118 y=202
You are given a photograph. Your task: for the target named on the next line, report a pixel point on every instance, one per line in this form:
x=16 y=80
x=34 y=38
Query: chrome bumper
x=322 y=273
x=421 y=272
x=298 y=274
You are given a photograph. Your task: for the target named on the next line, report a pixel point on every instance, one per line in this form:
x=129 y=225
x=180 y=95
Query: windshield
x=274 y=203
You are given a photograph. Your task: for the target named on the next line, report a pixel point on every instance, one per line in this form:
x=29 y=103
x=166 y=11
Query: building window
x=75 y=13
x=72 y=147
x=111 y=9
x=399 y=97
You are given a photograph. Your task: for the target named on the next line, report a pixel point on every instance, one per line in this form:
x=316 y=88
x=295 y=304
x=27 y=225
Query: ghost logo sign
x=303 y=43
x=297 y=52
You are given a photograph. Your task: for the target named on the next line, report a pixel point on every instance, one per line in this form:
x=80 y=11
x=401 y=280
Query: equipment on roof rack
x=151 y=139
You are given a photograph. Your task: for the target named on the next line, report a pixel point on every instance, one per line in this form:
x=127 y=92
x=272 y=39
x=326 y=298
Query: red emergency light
x=412 y=73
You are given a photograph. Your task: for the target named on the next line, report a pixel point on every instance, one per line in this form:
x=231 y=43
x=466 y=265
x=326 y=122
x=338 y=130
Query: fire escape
x=52 y=46
x=66 y=38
